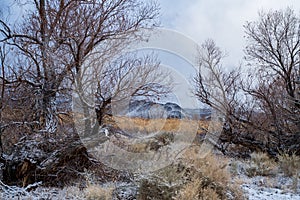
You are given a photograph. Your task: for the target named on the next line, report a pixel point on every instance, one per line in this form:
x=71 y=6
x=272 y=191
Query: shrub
x=289 y=164
x=190 y=190
x=96 y=192
x=209 y=178
x=155 y=188
x=261 y=165
x=190 y=178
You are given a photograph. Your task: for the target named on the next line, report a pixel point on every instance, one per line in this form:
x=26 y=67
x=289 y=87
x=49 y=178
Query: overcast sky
x=221 y=20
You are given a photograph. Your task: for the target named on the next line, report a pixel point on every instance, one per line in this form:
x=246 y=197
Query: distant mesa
x=150 y=110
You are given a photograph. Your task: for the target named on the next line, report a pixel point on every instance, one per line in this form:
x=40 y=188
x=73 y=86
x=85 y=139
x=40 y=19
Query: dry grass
x=289 y=164
x=210 y=166
x=193 y=191
x=96 y=192
x=209 y=194
x=190 y=190
x=131 y=124
x=211 y=180
x=191 y=178
x=93 y=191
x=261 y=165
x=155 y=133
x=162 y=125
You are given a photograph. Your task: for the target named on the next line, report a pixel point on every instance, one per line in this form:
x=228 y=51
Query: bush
x=190 y=190
x=96 y=192
x=289 y=164
x=211 y=179
x=190 y=178
x=261 y=165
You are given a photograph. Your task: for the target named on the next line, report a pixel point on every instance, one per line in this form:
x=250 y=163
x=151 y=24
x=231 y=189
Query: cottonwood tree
x=262 y=105
x=223 y=91
x=274 y=46
x=47 y=50
x=54 y=38
x=274 y=53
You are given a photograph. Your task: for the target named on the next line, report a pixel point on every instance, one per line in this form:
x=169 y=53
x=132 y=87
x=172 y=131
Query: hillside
x=153 y=110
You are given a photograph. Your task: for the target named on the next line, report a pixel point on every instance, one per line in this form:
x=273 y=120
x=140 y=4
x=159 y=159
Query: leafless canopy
x=274 y=46
x=261 y=106
x=50 y=44
x=274 y=49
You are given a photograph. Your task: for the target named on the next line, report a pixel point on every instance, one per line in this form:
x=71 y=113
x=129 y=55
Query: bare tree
x=261 y=107
x=55 y=38
x=274 y=46
x=107 y=89
x=274 y=51
x=213 y=84
x=219 y=89
x=47 y=51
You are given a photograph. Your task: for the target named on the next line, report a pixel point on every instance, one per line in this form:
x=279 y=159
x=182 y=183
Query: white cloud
x=221 y=20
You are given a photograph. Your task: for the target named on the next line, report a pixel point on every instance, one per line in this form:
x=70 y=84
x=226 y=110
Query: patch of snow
x=254 y=192
x=271 y=187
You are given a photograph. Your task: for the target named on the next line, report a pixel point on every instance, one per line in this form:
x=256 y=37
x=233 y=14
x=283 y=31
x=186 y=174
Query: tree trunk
x=102 y=110
x=45 y=110
x=51 y=114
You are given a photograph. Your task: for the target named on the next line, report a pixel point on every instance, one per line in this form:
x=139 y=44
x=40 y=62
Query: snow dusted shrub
x=210 y=180
x=190 y=190
x=289 y=164
x=96 y=192
x=261 y=165
x=161 y=184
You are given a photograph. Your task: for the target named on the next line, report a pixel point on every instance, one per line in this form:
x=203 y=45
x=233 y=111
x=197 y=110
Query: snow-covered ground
x=273 y=187
x=254 y=192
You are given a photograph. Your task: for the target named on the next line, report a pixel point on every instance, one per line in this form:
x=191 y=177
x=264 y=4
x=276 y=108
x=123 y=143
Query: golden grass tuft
x=96 y=192
x=261 y=165
x=190 y=190
x=289 y=164
x=162 y=125
x=210 y=165
x=191 y=178
x=209 y=194
x=212 y=179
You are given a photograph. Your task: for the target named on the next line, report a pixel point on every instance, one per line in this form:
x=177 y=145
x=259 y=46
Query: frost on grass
x=91 y=192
